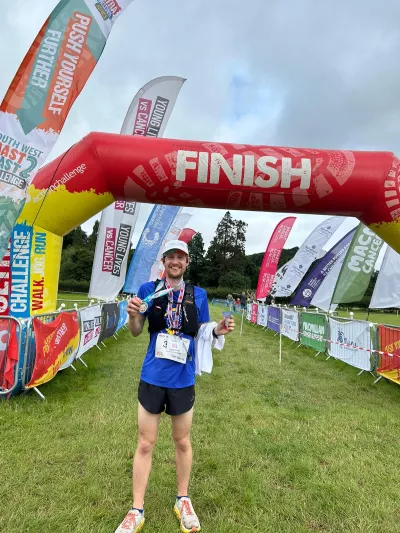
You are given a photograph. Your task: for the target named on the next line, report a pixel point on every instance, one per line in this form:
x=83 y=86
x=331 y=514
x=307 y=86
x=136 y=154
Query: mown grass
x=301 y=446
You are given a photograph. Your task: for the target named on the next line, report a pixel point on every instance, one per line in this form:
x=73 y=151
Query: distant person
x=229 y=301
x=243 y=300
x=168 y=376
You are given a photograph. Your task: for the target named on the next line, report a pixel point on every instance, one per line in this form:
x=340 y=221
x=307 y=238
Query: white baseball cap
x=171 y=246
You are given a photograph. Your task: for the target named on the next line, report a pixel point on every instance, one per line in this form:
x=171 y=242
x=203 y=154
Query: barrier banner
x=290 y=324
x=156 y=229
x=174 y=232
x=262 y=316
x=56 y=343
x=294 y=271
x=47 y=83
x=387 y=287
x=274 y=318
x=109 y=320
x=254 y=312
x=358 y=266
x=123 y=314
x=5 y=282
x=35 y=260
x=351 y=342
x=248 y=312
x=313 y=331
x=312 y=282
x=272 y=255
x=389 y=342
x=90 y=318
x=8 y=352
x=148 y=116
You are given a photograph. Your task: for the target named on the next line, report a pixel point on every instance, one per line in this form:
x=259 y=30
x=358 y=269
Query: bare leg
x=148 y=431
x=181 y=426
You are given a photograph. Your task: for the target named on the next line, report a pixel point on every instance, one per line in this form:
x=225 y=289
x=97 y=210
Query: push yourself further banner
x=148 y=116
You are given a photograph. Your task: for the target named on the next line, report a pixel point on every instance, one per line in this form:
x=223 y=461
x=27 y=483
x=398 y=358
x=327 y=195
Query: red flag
x=187 y=235
x=55 y=343
x=272 y=255
x=8 y=352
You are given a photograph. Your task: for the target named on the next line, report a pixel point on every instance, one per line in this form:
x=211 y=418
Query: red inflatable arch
x=103 y=167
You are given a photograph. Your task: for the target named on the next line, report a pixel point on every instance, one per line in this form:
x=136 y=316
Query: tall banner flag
x=157 y=270
x=387 y=287
x=312 y=282
x=47 y=83
x=154 y=233
x=148 y=116
x=358 y=266
x=308 y=252
x=323 y=297
x=56 y=342
x=187 y=235
x=272 y=255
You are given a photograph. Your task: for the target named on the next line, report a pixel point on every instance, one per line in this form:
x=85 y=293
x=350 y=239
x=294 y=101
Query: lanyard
x=174 y=316
x=157 y=294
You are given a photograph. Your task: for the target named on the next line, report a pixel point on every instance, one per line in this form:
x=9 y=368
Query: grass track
x=298 y=447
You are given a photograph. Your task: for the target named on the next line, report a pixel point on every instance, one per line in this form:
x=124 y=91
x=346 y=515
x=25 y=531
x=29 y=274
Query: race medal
x=143 y=307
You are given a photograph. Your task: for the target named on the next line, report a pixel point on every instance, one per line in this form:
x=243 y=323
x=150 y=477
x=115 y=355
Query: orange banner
x=55 y=343
x=389 y=342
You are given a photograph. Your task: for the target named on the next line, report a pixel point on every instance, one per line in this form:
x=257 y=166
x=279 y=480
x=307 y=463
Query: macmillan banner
x=351 y=342
x=272 y=255
x=313 y=331
x=312 y=282
x=148 y=116
x=290 y=277
x=56 y=343
x=47 y=83
x=358 y=266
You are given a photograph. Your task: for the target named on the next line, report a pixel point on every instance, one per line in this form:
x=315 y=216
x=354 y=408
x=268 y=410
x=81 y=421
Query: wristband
x=214 y=334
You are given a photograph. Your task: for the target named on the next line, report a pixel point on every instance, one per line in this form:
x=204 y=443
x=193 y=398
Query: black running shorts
x=158 y=399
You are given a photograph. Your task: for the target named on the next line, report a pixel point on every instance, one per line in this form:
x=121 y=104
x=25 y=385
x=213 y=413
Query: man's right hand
x=133 y=306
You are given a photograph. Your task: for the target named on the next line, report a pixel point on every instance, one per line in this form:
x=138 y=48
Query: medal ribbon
x=174 y=317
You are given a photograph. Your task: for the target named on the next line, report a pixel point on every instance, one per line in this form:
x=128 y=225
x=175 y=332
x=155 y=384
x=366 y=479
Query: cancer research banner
x=156 y=229
x=290 y=324
x=274 y=318
x=109 y=320
x=34 y=267
x=312 y=282
x=47 y=83
x=308 y=252
x=387 y=287
x=272 y=255
x=148 y=116
x=112 y=249
x=262 y=316
x=351 y=342
x=56 y=342
x=180 y=221
x=90 y=328
x=313 y=331
x=358 y=266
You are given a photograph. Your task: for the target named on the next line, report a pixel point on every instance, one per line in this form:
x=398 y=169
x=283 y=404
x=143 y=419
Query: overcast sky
x=295 y=73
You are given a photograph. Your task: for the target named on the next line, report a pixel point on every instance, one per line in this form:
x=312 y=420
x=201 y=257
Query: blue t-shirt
x=164 y=372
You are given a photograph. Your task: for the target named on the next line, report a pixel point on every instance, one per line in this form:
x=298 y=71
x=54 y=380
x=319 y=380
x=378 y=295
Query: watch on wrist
x=214 y=334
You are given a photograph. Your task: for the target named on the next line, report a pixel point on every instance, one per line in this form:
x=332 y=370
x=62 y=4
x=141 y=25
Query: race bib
x=172 y=347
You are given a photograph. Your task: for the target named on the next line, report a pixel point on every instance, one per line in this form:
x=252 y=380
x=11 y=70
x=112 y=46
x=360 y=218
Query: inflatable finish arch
x=104 y=167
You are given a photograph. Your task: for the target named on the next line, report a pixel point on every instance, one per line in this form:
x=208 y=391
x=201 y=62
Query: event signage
x=387 y=287
x=47 y=83
x=148 y=116
x=90 y=328
x=123 y=314
x=274 y=318
x=56 y=343
x=254 y=313
x=313 y=331
x=290 y=324
x=312 y=282
x=8 y=352
x=272 y=255
x=389 y=344
x=262 y=315
x=109 y=320
x=291 y=274
x=351 y=342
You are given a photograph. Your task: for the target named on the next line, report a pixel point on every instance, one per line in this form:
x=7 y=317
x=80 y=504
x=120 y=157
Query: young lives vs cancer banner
x=47 y=83
x=148 y=116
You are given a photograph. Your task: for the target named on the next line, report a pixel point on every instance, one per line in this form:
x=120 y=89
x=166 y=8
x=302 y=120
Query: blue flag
x=156 y=229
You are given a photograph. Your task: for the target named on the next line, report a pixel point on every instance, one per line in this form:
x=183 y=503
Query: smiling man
x=175 y=311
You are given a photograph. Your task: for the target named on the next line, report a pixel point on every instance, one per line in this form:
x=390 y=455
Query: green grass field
x=302 y=446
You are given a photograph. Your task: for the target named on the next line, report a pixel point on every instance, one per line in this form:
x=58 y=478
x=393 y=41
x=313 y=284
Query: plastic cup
x=227 y=315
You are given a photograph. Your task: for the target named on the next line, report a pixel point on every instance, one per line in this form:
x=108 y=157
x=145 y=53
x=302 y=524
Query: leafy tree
x=235 y=281
x=93 y=236
x=76 y=264
x=197 y=253
x=80 y=237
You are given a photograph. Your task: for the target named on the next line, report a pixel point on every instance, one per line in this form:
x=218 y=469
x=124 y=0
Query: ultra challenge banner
x=47 y=83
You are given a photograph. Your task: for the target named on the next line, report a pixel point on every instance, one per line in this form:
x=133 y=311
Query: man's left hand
x=224 y=326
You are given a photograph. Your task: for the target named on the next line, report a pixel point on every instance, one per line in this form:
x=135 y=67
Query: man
x=243 y=300
x=175 y=311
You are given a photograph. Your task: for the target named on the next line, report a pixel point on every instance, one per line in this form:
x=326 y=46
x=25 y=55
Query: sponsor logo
x=65 y=178
x=108 y=8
